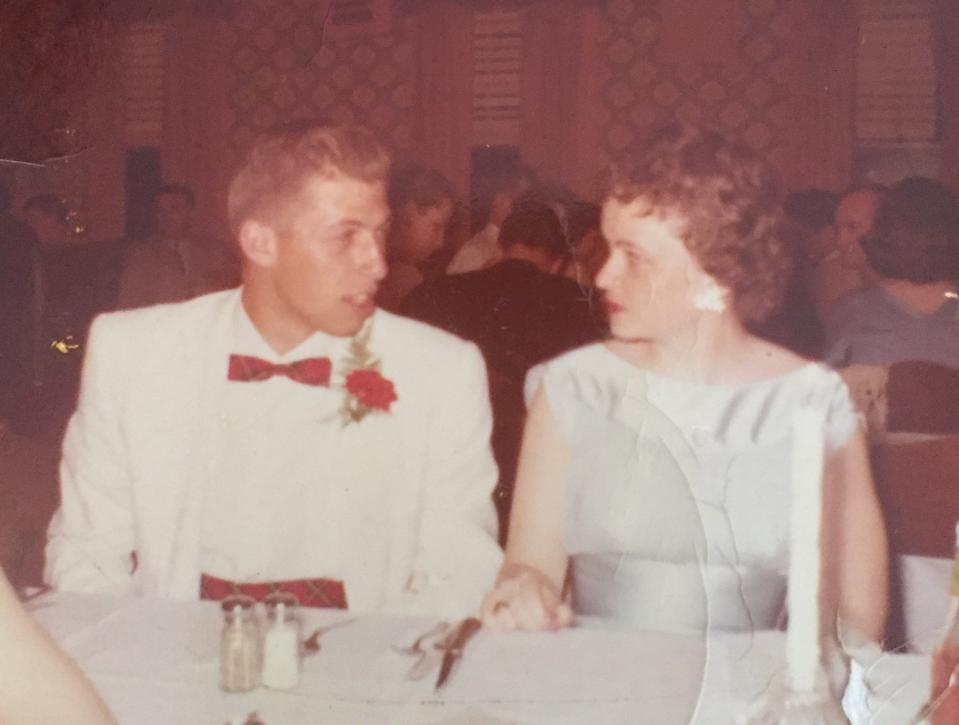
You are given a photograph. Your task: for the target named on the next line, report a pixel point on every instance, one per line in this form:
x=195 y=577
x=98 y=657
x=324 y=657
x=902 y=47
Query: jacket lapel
x=204 y=365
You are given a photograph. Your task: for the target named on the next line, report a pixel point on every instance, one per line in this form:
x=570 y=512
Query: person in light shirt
x=174 y=263
x=286 y=434
x=654 y=472
x=911 y=311
x=422 y=202
x=840 y=265
x=855 y=216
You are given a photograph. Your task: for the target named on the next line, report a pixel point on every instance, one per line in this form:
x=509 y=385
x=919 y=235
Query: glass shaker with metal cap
x=281 y=642
x=239 y=645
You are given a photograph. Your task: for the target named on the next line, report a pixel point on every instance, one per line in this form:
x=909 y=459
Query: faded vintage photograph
x=479 y=362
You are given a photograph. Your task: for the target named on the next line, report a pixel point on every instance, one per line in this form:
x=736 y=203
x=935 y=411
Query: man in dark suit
x=520 y=313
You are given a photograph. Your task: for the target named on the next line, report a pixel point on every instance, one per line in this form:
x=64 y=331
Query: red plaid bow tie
x=310 y=371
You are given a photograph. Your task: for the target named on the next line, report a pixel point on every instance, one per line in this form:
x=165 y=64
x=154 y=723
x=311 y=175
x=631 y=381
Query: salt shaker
x=239 y=645
x=281 y=642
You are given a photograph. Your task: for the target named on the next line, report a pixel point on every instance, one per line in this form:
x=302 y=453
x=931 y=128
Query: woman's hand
x=527 y=591
x=524 y=598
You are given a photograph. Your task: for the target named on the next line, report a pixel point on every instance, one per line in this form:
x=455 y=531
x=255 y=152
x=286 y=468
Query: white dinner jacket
x=133 y=470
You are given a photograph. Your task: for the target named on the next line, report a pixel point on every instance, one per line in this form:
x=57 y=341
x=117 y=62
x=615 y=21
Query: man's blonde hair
x=279 y=164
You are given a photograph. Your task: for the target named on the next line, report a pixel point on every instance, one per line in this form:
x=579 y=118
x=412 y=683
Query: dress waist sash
x=680 y=597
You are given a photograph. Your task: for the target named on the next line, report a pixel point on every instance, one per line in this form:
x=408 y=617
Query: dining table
x=156 y=662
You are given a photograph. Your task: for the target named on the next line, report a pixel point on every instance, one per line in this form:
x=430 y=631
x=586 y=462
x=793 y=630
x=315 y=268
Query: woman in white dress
x=653 y=486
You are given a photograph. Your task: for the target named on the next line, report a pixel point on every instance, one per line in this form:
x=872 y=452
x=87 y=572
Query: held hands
x=524 y=598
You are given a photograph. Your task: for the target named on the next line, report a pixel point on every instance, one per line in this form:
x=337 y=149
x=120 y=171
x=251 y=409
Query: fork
x=417 y=647
x=426 y=659
x=28 y=600
x=24 y=594
x=311 y=645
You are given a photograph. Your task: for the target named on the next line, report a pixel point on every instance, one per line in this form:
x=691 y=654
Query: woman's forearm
x=864 y=596
x=39 y=684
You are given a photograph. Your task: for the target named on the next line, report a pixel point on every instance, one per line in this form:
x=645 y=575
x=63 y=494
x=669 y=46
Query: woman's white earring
x=711 y=299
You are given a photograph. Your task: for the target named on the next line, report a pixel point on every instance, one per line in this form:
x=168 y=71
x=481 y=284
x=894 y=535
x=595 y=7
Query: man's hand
x=524 y=598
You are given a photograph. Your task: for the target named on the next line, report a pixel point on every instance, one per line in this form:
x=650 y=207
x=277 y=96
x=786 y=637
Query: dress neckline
x=769 y=381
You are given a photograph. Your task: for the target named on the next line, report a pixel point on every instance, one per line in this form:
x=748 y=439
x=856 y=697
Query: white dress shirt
x=265 y=516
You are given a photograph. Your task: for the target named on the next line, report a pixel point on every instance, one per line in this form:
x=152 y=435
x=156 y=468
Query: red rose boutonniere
x=367 y=391
x=370 y=389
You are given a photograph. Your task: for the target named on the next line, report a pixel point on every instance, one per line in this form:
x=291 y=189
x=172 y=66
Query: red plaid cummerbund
x=319 y=593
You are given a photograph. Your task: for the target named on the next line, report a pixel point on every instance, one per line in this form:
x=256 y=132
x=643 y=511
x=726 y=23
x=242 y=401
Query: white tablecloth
x=156 y=662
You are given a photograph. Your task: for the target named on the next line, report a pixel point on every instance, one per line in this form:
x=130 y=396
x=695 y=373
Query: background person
x=520 y=312
x=911 y=311
x=422 y=203
x=174 y=264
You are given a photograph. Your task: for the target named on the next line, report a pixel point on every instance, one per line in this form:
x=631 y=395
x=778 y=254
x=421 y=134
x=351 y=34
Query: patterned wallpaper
x=285 y=69
x=743 y=93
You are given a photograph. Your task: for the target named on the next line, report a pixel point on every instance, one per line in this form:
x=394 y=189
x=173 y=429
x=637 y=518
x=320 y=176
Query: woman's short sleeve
x=842 y=419
x=556 y=381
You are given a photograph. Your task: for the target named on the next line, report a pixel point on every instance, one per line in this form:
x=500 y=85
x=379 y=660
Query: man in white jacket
x=286 y=434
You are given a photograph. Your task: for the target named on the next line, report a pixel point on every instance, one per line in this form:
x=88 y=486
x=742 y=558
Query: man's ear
x=258 y=243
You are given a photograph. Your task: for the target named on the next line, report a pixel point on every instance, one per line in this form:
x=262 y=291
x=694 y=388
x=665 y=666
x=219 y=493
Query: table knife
x=453 y=648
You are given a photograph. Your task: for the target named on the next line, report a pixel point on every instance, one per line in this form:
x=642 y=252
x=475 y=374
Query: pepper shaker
x=239 y=645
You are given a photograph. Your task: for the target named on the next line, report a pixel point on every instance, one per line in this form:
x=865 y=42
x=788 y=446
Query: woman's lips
x=612 y=308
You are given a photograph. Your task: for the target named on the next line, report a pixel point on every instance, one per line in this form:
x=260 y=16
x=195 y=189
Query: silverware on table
x=426 y=659
x=311 y=645
x=453 y=648
x=33 y=598
x=28 y=594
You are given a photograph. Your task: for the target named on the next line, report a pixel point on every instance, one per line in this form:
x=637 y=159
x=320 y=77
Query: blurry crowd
x=55 y=282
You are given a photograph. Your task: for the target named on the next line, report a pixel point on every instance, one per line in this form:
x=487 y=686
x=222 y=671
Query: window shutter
x=497 y=64
x=896 y=75
x=143 y=84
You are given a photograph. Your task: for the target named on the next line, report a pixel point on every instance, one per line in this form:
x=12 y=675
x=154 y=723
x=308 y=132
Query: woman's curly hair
x=730 y=203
